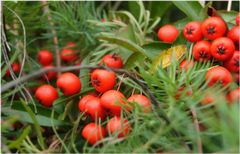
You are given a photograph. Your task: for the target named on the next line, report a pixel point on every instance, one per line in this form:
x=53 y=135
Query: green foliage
x=131 y=33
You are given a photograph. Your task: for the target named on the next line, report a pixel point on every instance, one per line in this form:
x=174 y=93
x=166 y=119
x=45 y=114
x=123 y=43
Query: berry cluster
x=219 y=43
x=110 y=102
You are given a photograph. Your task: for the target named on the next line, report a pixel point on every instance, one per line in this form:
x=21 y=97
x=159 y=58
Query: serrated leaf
x=165 y=57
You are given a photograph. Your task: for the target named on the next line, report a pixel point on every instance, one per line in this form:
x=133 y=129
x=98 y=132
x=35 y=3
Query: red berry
x=15 y=67
x=201 y=51
x=117 y=125
x=93 y=133
x=68 y=54
x=45 y=57
x=168 y=33
x=112 y=60
x=51 y=74
x=142 y=100
x=238 y=19
x=233 y=64
x=69 y=83
x=83 y=101
x=103 y=80
x=234 y=35
x=93 y=107
x=113 y=101
x=234 y=96
x=46 y=94
x=185 y=64
x=213 y=27
x=192 y=31
x=222 y=48
x=218 y=74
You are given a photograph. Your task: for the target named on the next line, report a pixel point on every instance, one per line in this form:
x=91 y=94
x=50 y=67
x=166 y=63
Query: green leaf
x=134 y=8
x=155 y=48
x=124 y=43
x=127 y=32
x=35 y=123
x=133 y=59
x=42 y=118
x=19 y=140
x=190 y=8
x=228 y=16
x=164 y=58
x=156 y=11
x=181 y=23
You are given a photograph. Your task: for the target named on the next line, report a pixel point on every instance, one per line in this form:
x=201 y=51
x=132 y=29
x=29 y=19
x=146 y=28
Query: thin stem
x=196 y=124
x=53 y=31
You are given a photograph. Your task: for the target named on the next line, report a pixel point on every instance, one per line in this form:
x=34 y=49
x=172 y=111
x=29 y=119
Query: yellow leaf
x=165 y=57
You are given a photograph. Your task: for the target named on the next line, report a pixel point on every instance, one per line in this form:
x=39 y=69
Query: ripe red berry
x=168 y=33
x=113 y=60
x=117 y=125
x=185 y=64
x=113 y=101
x=222 y=48
x=218 y=74
x=233 y=64
x=142 y=100
x=93 y=107
x=103 y=80
x=83 y=101
x=45 y=57
x=69 y=83
x=68 y=54
x=192 y=31
x=233 y=96
x=201 y=51
x=46 y=94
x=51 y=74
x=93 y=133
x=234 y=35
x=213 y=27
x=15 y=67
x=238 y=19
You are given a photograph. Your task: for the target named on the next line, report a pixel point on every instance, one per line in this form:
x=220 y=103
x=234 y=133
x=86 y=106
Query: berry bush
x=120 y=77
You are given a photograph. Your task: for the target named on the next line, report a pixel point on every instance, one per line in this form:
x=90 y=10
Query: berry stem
x=55 y=39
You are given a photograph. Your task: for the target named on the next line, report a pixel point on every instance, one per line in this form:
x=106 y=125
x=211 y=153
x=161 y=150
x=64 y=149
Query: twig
x=196 y=124
x=55 y=39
